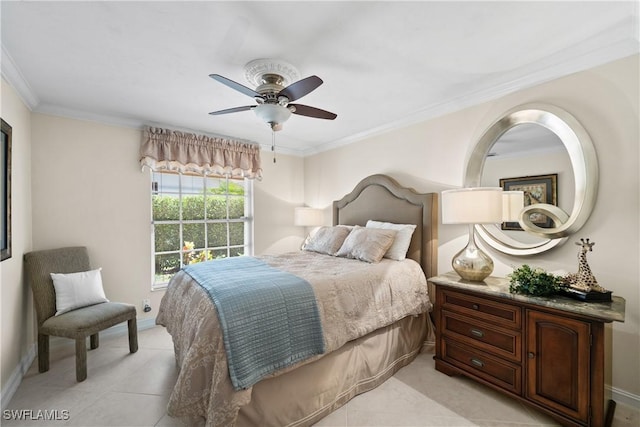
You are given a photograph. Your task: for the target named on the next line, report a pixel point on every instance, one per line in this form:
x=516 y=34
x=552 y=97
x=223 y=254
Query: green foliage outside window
x=167 y=236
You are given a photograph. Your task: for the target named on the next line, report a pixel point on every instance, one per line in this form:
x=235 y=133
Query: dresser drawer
x=499 y=313
x=502 y=342
x=492 y=369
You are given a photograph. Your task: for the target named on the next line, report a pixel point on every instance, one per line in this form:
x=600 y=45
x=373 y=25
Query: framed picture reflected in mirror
x=537 y=189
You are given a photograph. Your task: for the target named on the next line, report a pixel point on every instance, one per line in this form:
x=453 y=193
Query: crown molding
x=12 y=74
x=282 y=150
x=619 y=43
x=543 y=72
x=71 y=113
x=55 y=110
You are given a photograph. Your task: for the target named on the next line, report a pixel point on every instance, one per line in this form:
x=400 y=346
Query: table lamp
x=307 y=217
x=479 y=205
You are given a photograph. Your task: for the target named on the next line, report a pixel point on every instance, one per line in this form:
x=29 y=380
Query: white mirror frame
x=584 y=162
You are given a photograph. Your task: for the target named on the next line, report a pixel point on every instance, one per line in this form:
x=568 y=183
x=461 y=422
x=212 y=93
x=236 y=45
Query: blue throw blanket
x=269 y=318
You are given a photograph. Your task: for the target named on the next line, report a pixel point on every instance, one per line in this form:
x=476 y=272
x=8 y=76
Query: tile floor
x=132 y=390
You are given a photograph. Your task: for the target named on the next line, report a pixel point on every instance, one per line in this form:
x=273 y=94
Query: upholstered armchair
x=73 y=322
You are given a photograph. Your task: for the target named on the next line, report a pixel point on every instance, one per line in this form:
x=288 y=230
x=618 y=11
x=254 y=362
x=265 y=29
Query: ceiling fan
x=273 y=94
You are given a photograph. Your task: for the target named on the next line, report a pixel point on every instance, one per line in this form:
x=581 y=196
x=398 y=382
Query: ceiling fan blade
x=305 y=110
x=237 y=86
x=233 y=110
x=301 y=88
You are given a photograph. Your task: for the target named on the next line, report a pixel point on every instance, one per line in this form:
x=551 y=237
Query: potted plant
x=534 y=281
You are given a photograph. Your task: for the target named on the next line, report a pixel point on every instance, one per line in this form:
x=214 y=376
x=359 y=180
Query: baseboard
x=624 y=397
x=15 y=378
x=25 y=363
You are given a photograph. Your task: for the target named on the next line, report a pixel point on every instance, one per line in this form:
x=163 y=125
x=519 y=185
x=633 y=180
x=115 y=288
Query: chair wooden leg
x=81 y=359
x=133 y=335
x=43 y=353
x=94 y=341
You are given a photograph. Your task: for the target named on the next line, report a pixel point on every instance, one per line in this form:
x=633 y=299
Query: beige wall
x=88 y=189
x=16 y=309
x=275 y=198
x=79 y=182
x=431 y=156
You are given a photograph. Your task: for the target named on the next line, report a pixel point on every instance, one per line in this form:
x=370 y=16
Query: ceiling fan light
x=272 y=114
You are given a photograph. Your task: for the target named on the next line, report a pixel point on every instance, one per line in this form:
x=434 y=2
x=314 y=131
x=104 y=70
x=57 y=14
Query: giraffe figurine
x=584 y=280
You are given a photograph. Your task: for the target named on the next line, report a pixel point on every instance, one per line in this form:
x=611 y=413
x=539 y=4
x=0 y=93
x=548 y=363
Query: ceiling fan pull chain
x=273 y=145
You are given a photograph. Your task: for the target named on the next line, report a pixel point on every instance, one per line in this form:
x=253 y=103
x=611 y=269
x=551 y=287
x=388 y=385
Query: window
x=197 y=218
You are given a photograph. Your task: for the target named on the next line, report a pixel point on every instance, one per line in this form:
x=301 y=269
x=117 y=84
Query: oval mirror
x=545 y=142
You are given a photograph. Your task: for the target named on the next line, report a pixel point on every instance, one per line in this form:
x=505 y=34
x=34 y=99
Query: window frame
x=247 y=219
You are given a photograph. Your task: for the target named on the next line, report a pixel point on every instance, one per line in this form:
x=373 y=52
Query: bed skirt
x=303 y=396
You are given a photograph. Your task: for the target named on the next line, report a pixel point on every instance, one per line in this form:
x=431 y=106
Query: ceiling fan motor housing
x=271 y=85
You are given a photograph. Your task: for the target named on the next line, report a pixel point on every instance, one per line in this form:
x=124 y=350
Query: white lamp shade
x=307 y=217
x=479 y=205
x=512 y=205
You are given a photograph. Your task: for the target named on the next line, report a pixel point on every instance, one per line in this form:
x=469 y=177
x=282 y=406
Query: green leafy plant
x=533 y=281
x=191 y=256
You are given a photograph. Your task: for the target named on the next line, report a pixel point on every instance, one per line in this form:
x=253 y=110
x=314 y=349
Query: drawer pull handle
x=478 y=333
x=477 y=362
x=531 y=355
x=475 y=306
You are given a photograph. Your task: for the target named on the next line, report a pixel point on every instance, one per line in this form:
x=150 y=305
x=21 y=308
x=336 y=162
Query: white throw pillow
x=76 y=290
x=400 y=246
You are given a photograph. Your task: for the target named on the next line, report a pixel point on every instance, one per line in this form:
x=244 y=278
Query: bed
x=355 y=358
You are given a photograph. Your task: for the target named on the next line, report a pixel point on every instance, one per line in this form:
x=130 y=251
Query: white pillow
x=367 y=244
x=400 y=246
x=76 y=290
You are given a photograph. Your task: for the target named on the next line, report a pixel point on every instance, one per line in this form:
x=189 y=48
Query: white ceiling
x=384 y=64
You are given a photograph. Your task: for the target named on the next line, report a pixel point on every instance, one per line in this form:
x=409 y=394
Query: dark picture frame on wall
x=537 y=189
x=5 y=188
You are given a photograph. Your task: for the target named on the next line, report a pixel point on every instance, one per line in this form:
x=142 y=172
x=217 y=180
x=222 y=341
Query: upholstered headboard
x=382 y=198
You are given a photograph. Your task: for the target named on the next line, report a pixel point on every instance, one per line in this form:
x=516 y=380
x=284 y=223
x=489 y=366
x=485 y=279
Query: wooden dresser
x=547 y=352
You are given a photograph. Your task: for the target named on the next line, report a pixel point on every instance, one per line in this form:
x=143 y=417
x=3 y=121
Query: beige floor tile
x=61 y=403
x=626 y=416
x=463 y=397
x=153 y=338
x=124 y=389
x=337 y=418
x=396 y=397
x=122 y=409
x=359 y=418
x=167 y=421
x=157 y=375
x=106 y=367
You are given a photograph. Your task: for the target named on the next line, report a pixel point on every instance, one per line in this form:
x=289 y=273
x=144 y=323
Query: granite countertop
x=609 y=311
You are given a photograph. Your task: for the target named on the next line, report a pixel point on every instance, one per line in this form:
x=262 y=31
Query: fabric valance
x=165 y=149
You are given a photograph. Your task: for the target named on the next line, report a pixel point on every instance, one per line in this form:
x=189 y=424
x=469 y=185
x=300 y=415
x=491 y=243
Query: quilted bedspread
x=354 y=298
